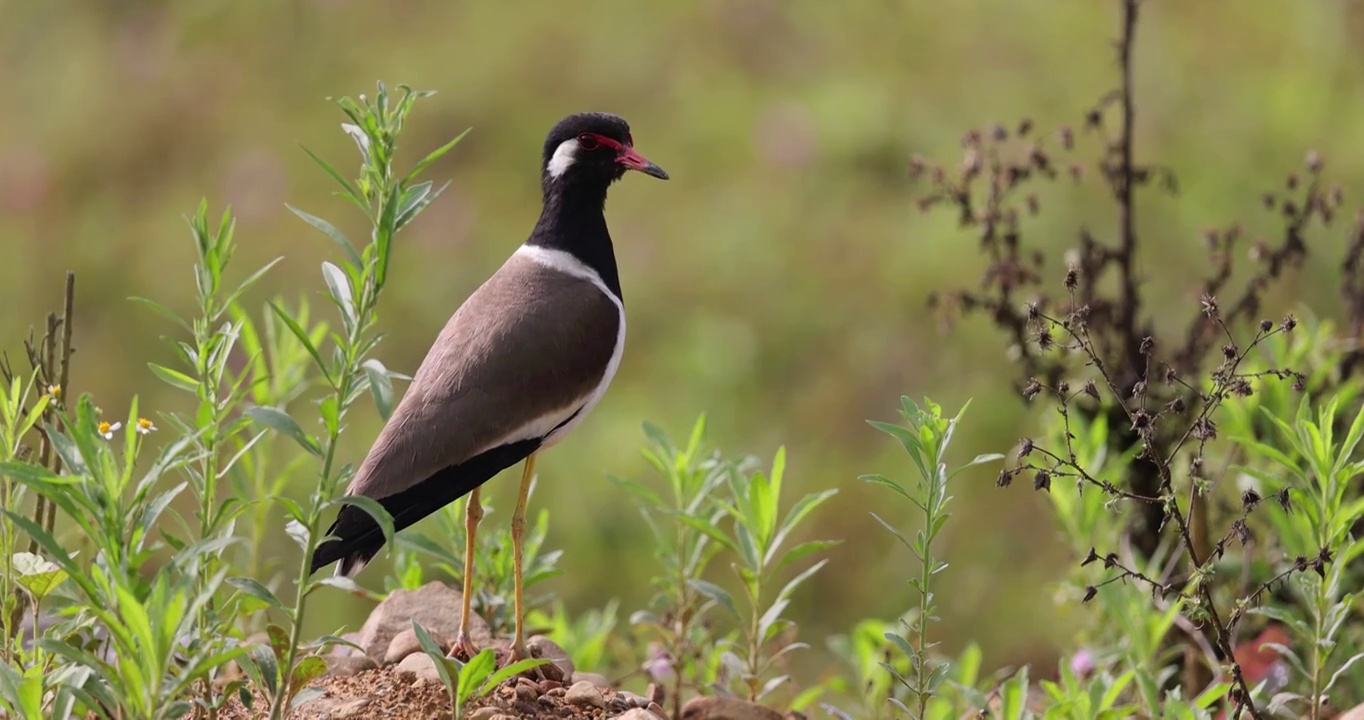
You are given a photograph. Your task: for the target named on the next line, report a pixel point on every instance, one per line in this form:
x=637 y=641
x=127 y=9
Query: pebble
x=639 y=714
x=595 y=678
x=405 y=643
x=585 y=693
x=631 y=698
x=348 y=665
x=419 y=666
x=485 y=713
x=540 y=646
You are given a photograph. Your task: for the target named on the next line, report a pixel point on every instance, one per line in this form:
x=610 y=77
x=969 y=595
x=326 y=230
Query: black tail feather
x=357 y=538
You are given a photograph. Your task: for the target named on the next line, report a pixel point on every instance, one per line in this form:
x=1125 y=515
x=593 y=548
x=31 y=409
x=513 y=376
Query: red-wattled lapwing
x=520 y=363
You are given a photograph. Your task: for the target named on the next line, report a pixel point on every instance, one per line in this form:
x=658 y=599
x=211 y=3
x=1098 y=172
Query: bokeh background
x=777 y=283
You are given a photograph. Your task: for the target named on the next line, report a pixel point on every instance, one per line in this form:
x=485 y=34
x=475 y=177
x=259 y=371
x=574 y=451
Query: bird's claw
x=464 y=649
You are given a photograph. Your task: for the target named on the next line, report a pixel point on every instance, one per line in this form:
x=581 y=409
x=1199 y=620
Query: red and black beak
x=634 y=161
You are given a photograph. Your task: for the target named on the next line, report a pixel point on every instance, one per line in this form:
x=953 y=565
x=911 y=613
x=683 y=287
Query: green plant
x=926 y=436
x=585 y=638
x=132 y=643
x=680 y=520
x=474 y=679
x=758 y=540
x=389 y=201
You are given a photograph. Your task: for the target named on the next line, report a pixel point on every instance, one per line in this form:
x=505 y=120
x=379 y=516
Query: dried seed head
x=1229 y=352
x=1034 y=205
x=1090 y=592
x=1140 y=419
x=1313 y=162
x=1044 y=339
x=1205 y=429
x=1239 y=529
x=1282 y=499
x=999 y=132
x=1298 y=385
x=1266 y=325
x=1091 y=557
x=1288 y=324
x=1139 y=388
x=1091 y=389
x=1032 y=389
x=1006 y=477
x=1242 y=387
x=1025 y=448
x=1033 y=311
x=1072 y=278
x=1250 y=499
x=1209 y=305
x=1147 y=343
x=1093 y=119
x=1024 y=127
x=1067 y=138
x=1176 y=406
x=917 y=165
x=1269 y=200
x=1196 y=466
x=1292 y=181
x=1042 y=481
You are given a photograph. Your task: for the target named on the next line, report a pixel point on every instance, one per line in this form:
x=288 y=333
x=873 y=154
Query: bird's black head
x=593 y=149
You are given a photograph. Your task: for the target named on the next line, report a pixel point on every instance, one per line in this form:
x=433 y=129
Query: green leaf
x=978 y=460
x=175 y=378
x=716 y=593
x=381 y=386
x=806 y=549
x=474 y=674
x=40 y=577
x=281 y=422
x=303 y=338
x=256 y=590
x=163 y=311
x=339 y=287
x=509 y=671
x=434 y=156
x=307 y=670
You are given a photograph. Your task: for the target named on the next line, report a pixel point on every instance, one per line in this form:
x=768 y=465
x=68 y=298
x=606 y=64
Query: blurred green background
x=777 y=283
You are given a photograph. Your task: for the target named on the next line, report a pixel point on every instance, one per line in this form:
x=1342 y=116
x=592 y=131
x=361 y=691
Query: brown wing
x=519 y=356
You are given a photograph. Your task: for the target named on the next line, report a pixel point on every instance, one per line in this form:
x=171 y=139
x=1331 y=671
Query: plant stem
x=925 y=576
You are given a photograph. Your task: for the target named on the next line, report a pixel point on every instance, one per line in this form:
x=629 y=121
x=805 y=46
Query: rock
x=585 y=693
x=419 y=666
x=655 y=693
x=540 y=646
x=639 y=714
x=405 y=643
x=434 y=605
x=504 y=717
x=484 y=713
x=595 y=678
x=348 y=665
x=720 y=708
x=631 y=699
x=346 y=650
x=657 y=709
x=526 y=690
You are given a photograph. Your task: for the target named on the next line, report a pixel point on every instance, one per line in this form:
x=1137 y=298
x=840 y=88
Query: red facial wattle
x=625 y=154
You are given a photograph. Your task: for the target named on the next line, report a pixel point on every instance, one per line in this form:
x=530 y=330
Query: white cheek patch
x=563 y=158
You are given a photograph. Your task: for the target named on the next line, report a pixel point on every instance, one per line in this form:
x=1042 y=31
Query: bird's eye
x=588 y=141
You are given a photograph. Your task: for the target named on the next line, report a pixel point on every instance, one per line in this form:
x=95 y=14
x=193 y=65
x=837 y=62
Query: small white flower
x=145 y=426
x=107 y=430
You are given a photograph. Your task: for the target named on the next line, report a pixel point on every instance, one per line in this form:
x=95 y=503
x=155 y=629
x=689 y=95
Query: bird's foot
x=515 y=653
x=463 y=649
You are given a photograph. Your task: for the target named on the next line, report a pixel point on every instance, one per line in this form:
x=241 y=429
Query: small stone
x=486 y=712
x=526 y=690
x=557 y=692
x=547 y=685
x=434 y=605
x=419 y=667
x=657 y=709
x=585 y=693
x=405 y=643
x=348 y=665
x=632 y=699
x=350 y=709
x=504 y=716
x=655 y=693
x=721 y=708
x=595 y=678
x=638 y=714
x=540 y=646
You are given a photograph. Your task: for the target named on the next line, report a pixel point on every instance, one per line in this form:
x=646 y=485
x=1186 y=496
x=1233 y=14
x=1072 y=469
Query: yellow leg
x=518 y=529
x=473 y=514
